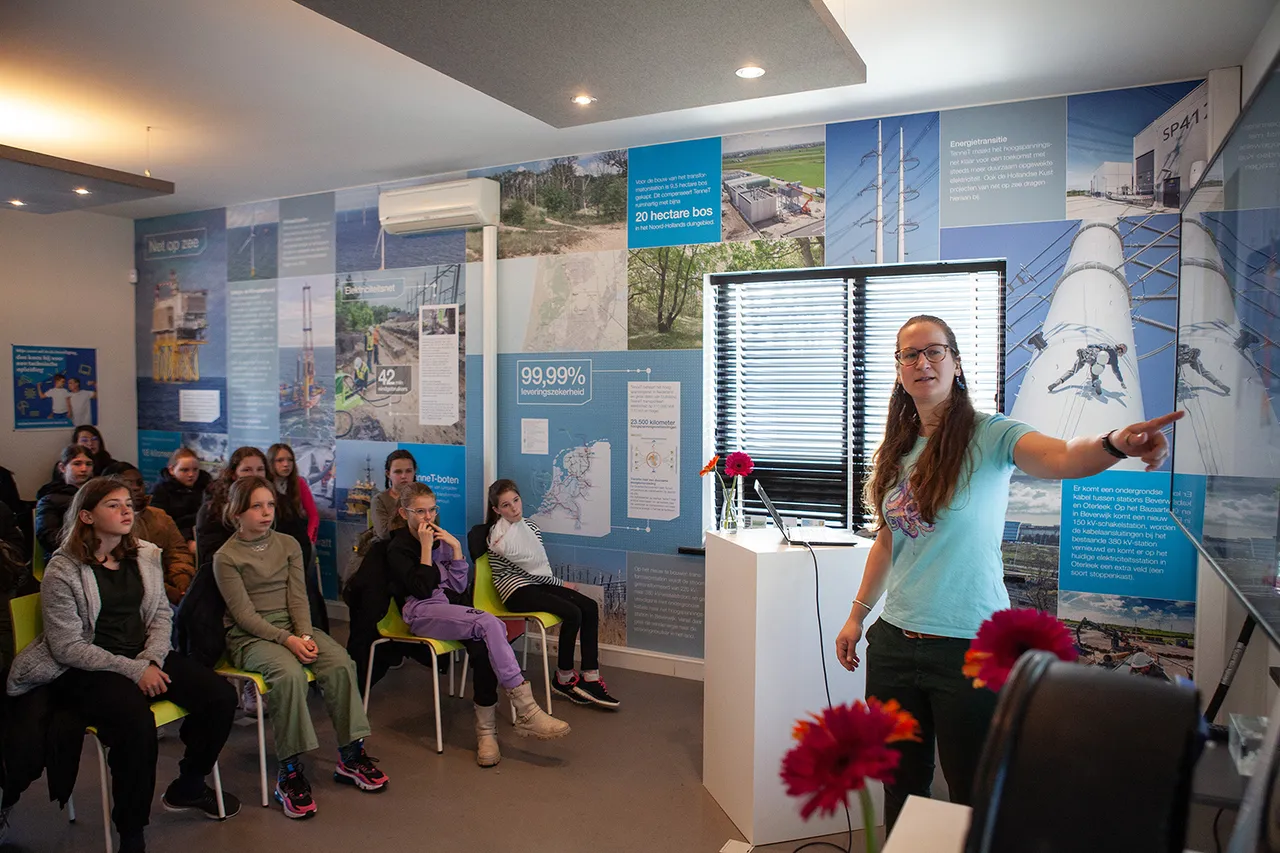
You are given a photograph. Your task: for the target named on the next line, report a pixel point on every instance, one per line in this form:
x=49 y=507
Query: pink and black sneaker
x=293 y=791
x=356 y=767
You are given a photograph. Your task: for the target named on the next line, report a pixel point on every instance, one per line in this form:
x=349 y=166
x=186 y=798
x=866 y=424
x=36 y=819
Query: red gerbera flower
x=738 y=464
x=1003 y=639
x=840 y=750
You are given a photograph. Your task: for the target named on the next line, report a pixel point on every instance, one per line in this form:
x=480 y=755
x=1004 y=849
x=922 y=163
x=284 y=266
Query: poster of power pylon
x=882 y=188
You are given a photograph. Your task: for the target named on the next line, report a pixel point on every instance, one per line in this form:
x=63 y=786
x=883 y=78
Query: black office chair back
x=1081 y=758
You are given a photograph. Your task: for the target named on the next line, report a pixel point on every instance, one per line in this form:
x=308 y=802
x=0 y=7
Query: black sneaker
x=571 y=691
x=4 y=822
x=598 y=693
x=293 y=791
x=206 y=803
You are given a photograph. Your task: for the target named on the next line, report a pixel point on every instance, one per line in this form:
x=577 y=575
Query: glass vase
x=730 y=517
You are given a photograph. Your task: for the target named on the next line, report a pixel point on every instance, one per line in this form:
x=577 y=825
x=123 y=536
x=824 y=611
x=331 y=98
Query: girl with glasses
x=939 y=489
x=428 y=577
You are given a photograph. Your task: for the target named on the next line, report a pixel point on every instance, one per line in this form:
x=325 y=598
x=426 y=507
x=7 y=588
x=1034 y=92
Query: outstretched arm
x=1052 y=458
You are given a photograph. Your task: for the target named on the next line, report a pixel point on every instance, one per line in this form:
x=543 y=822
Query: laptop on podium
x=806 y=535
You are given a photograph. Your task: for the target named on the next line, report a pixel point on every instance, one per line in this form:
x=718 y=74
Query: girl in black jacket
x=180 y=490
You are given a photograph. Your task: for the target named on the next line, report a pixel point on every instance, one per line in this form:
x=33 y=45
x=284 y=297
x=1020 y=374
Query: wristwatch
x=1111 y=448
x=306 y=638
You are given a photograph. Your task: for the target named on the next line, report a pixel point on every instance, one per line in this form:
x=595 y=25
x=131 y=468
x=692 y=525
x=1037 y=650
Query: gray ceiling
x=47 y=184
x=636 y=58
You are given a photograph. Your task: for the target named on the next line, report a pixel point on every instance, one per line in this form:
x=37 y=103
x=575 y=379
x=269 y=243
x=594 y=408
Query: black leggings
x=579 y=613
x=122 y=714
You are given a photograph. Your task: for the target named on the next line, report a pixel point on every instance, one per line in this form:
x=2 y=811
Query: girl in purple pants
x=428 y=578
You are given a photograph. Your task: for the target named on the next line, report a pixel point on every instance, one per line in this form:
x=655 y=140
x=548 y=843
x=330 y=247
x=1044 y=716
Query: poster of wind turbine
x=363 y=245
x=252 y=232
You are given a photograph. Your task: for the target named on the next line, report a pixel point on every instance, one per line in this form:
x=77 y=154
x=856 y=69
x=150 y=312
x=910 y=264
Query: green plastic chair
x=38 y=560
x=226 y=670
x=488 y=600
x=392 y=628
x=28 y=623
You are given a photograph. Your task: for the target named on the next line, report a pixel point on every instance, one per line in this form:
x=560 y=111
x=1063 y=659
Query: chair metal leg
x=452 y=658
x=71 y=809
x=524 y=641
x=104 y=783
x=262 y=748
x=435 y=689
x=462 y=682
x=217 y=790
x=368 y=674
x=546 y=664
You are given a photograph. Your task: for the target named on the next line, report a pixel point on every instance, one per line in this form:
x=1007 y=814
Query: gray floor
x=622 y=781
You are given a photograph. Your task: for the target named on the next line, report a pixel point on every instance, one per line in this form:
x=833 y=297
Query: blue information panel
x=553 y=381
x=673 y=196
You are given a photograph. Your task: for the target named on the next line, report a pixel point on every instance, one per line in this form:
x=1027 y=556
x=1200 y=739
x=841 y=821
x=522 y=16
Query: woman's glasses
x=431 y=510
x=933 y=353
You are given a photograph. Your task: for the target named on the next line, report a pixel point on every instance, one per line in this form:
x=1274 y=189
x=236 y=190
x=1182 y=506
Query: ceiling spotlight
x=583 y=100
x=17 y=202
x=81 y=191
x=750 y=72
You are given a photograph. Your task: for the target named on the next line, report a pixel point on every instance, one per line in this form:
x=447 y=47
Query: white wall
x=65 y=283
x=1260 y=55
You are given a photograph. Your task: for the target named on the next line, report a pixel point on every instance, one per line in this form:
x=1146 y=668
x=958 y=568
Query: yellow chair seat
x=393 y=627
x=224 y=668
x=488 y=600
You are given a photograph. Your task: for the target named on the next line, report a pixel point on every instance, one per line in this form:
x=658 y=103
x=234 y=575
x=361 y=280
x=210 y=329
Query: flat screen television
x=1225 y=489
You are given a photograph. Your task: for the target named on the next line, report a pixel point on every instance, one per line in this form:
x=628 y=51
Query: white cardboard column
x=763 y=671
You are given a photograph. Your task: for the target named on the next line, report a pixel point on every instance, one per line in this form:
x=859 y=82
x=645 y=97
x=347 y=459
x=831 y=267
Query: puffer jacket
x=52 y=502
x=181 y=502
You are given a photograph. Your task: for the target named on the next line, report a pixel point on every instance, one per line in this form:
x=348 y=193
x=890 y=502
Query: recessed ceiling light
x=17 y=202
x=583 y=100
x=750 y=72
x=81 y=191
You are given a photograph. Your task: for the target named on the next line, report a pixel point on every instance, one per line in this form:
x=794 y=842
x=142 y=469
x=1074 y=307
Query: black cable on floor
x=1217 y=843
x=822 y=651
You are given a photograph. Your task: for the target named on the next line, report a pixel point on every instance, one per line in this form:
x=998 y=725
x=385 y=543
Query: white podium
x=763 y=671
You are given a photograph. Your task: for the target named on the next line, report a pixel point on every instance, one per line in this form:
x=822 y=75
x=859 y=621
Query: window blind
x=802 y=365
x=782 y=367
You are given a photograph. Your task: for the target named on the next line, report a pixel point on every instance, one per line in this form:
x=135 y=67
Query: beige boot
x=532 y=721
x=487 y=754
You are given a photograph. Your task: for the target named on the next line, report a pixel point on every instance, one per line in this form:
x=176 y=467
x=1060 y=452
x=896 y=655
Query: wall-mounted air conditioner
x=440 y=207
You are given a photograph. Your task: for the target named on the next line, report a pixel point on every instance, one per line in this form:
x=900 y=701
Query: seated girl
x=260 y=575
x=384 y=514
x=427 y=575
x=298 y=516
x=523 y=579
x=180 y=491
x=211 y=530
x=105 y=654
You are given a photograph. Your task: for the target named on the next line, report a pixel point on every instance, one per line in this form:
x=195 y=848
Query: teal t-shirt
x=946 y=578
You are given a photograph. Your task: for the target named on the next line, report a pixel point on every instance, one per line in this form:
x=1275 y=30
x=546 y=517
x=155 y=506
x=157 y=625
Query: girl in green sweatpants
x=260 y=575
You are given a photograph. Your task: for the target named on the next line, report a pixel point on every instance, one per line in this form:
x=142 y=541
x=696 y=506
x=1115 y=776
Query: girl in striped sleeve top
x=523 y=579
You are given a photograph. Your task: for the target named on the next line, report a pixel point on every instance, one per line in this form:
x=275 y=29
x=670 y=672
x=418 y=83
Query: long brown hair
x=79 y=540
x=292 y=491
x=216 y=496
x=945 y=457
x=497 y=490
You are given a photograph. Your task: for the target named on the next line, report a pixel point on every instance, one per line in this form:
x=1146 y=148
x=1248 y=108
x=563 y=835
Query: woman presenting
x=940 y=487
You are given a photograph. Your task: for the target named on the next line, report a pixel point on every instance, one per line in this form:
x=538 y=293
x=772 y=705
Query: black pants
x=580 y=614
x=484 y=680
x=925 y=677
x=122 y=715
